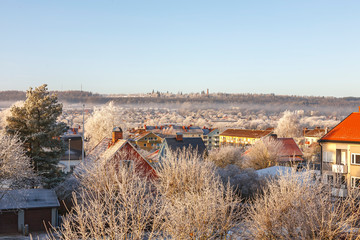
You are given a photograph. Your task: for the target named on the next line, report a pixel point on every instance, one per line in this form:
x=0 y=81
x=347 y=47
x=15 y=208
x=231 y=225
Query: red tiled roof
x=290 y=148
x=247 y=133
x=348 y=130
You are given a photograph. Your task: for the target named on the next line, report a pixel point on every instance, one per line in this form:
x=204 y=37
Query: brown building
x=31 y=207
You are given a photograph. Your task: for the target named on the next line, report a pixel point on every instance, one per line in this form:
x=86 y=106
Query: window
x=144 y=144
x=355 y=158
x=330 y=179
x=355 y=182
x=328 y=157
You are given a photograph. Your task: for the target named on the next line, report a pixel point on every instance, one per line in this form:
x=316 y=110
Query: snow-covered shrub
x=226 y=155
x=293 y=206
x=263 y=153
x=245 y=182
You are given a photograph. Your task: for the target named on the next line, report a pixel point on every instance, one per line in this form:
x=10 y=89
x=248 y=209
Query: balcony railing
x=339 y=192
x=336 y=168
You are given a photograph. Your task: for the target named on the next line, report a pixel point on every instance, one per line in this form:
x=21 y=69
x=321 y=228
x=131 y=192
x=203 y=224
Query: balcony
x=336 y=168
x=339 y=192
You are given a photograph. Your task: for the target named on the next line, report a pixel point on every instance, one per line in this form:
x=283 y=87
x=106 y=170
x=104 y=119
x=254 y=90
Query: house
x=241 y=137
x=340 y=155
x=148 y=141
x=290 y=153
x=171 y=130
x=119 y=151
x=211 y=138
x=31 y=207
x=313 y=135
x=73 y=154
x=179 y=143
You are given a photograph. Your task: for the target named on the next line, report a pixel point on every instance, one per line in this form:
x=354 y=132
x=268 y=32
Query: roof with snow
x=273 y=171
x=348 y=130
x=28 y=198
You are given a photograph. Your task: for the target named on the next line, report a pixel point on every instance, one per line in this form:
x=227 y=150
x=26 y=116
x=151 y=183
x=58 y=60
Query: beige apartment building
x=340 y=155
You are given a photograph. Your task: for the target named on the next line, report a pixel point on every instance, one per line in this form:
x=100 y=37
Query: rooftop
x=28 y=198
x=246 y=133
x=348 y=130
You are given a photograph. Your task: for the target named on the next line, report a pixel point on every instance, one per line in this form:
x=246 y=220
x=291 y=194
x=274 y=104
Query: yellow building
x=241 y=137
x=340 y=155
x=148 y=141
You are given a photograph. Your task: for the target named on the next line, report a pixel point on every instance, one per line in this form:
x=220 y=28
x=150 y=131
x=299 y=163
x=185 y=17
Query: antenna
x=83 y=131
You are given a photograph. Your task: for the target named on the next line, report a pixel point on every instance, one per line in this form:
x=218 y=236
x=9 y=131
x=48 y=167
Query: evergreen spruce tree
x=36 y=124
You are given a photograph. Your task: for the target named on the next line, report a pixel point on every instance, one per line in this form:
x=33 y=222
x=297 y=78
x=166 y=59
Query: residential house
x=340 y=155
x=27 y=207
x=179 y=143
x=241 y=137
x=313 y=135
x=148 y=141
x=73 y=154
x=211 y=138
x=118 y=151
x=290 y=153
x=171 y=130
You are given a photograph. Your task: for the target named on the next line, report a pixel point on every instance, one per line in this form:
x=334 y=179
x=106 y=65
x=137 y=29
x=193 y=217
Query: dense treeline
x=196 y=98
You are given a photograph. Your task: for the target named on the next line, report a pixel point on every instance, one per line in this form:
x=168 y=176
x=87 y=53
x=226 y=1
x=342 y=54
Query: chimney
x=145 y=126
x=179 y=136
x=117 y=134
x=273 y=136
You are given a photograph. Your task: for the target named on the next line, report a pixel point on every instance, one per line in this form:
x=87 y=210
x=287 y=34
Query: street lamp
x=69 y=153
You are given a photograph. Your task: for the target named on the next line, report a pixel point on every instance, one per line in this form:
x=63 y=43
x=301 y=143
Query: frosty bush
x=264 y=153
x=197 y=204
x=112 y=203
x=245 y=182
x=187 y=201
x=293 y=206
x=226 y=155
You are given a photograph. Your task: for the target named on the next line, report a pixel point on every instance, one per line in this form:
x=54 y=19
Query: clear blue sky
x=307 y=47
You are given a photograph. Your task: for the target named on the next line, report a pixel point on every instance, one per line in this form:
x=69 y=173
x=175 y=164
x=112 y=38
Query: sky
x=307 y=47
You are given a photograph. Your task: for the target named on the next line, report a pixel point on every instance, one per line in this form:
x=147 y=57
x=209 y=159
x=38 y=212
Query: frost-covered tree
x=263 y=153
x=288 y=125
x=4 y=114
x=16 y=170
x=100 y=124
x=36 y=125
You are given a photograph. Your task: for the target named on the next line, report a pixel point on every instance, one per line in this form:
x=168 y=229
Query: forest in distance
x=201 y=100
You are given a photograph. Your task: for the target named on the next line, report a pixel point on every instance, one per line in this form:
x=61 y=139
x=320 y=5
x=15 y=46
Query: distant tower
x=207 y=92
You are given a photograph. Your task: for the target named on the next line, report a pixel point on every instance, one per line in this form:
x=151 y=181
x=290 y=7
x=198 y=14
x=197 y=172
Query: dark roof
x=28 y=198
x=247 y=133
x=194 y=143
